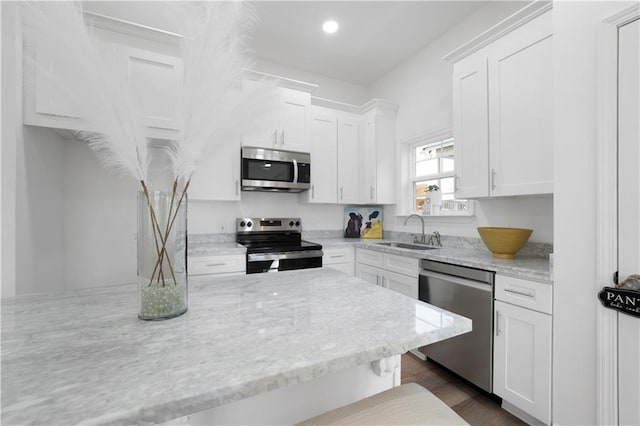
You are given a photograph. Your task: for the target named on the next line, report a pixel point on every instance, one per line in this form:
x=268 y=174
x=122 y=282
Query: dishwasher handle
x=460 y=281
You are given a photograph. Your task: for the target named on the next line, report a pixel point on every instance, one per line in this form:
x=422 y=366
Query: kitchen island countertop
x=84 y=356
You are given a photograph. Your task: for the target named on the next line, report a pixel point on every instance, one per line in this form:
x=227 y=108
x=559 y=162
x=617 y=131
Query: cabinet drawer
x=528 y=294
x=401 y=283
x=336 y=255
x=401 y=265
x=370 y=257
x=217 y=264
x=369 y=273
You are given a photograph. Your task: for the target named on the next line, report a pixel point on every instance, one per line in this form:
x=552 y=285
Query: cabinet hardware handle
x=341 y=193
x=520 y=293
x=282 y=140
x=384 y=282
x=237 y=186
x=377 y=279
x=493 y=179
x=456 y=180
x=371 y=193
x=215 y=264
x=275 y=137
x=497 y=323
x=313 y=191
x=335 y=256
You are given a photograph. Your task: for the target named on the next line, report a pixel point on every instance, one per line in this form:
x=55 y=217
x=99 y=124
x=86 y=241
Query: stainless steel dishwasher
x=467 y=292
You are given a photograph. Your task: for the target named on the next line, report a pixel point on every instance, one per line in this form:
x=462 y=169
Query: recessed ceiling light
x=330 y=27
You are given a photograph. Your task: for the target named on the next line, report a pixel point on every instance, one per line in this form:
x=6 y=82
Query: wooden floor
x=471 y=404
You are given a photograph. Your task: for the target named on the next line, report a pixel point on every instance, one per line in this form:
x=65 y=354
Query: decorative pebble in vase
x=162 y=250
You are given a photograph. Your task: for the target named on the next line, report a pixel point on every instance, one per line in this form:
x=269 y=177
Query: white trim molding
x=607 y=329
x=518 y=19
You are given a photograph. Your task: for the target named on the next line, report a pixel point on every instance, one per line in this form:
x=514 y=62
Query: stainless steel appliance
x=276 y=244
x=467 y=292
x=275 y=170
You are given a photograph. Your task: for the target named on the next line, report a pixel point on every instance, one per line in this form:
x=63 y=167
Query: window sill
x=470 y=214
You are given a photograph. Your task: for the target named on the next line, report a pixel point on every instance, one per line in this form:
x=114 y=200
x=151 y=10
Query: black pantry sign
x=626 y=301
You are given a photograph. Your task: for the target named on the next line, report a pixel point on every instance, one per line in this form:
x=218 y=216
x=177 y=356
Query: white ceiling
x=374 y=36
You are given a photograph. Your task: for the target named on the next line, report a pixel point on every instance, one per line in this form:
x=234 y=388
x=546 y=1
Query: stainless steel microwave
x=266 y=169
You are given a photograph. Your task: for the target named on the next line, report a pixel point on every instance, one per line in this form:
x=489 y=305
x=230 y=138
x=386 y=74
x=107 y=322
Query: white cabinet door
x=470 y=127
x=324 y=169
x=348 y=159
x=368 y=165
x=54 y=98
x=522 y=359
x=155 y=80
x=291 y=121
x=218 y=178
x=401 y=283
x=521 y=110
x=370 y=273
x=284 y=124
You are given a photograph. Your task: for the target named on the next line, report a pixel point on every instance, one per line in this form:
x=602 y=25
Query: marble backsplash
x=532 y=249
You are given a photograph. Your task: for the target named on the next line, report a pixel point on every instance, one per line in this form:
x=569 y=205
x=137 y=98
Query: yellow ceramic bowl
x=504 y=243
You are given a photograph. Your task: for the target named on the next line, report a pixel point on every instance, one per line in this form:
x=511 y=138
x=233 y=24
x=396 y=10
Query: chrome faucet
x=423 y=239
x=434 y=239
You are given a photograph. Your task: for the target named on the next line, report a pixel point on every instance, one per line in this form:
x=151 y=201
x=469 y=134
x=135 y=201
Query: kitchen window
x=432 y=164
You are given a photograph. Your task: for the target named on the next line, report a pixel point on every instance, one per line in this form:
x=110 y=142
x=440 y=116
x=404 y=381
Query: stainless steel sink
x=407 y=246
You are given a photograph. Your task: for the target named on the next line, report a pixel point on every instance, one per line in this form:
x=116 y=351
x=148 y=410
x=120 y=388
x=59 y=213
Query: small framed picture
x=363 y=222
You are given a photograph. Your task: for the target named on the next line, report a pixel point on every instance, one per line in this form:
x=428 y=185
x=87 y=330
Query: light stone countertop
x=525 y=267
x=84 y=357
x=201 y=249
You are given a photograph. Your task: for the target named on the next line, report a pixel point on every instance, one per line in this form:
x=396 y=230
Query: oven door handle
x=257 y=257
x=295 y=171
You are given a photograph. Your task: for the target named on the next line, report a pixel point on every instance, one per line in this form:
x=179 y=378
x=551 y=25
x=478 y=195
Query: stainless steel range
x=276 y=244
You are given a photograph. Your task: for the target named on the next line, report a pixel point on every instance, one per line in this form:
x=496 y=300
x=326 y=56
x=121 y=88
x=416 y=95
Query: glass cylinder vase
x=162 y=255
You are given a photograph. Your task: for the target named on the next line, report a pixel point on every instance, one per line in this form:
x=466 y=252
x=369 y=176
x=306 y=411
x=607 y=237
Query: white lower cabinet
x=339 y=258
x=397 y=273
x=219 y=265
x=522 y=347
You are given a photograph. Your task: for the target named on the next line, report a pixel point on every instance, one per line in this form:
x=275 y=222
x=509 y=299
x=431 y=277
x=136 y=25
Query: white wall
x=575 y=133
x=213 y=217
x=99 y=221
x=39 y=221
x=11 y=130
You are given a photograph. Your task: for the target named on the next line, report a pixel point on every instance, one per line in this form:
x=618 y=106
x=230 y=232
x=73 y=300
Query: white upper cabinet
x=147 y=59
x=348 y=158
x=284 y=124
x=502 y=108
x=155 y=80
x=377 y=154
x=324 y=156
x=218 y=178
x=470 y=127
x=521 y=110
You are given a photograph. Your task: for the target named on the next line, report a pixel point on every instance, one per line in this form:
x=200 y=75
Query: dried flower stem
x=157 y=233
x=173 y=214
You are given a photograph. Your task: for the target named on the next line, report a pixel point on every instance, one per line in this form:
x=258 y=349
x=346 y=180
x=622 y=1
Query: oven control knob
x=249 y=224
x=291 y=223
x=297 y=223
x=242 y=224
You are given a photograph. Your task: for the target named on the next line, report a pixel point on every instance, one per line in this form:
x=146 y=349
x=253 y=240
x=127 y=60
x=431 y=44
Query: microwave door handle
x=295 y=171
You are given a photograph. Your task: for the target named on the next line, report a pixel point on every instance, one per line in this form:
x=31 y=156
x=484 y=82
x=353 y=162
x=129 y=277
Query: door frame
x=607 y=244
